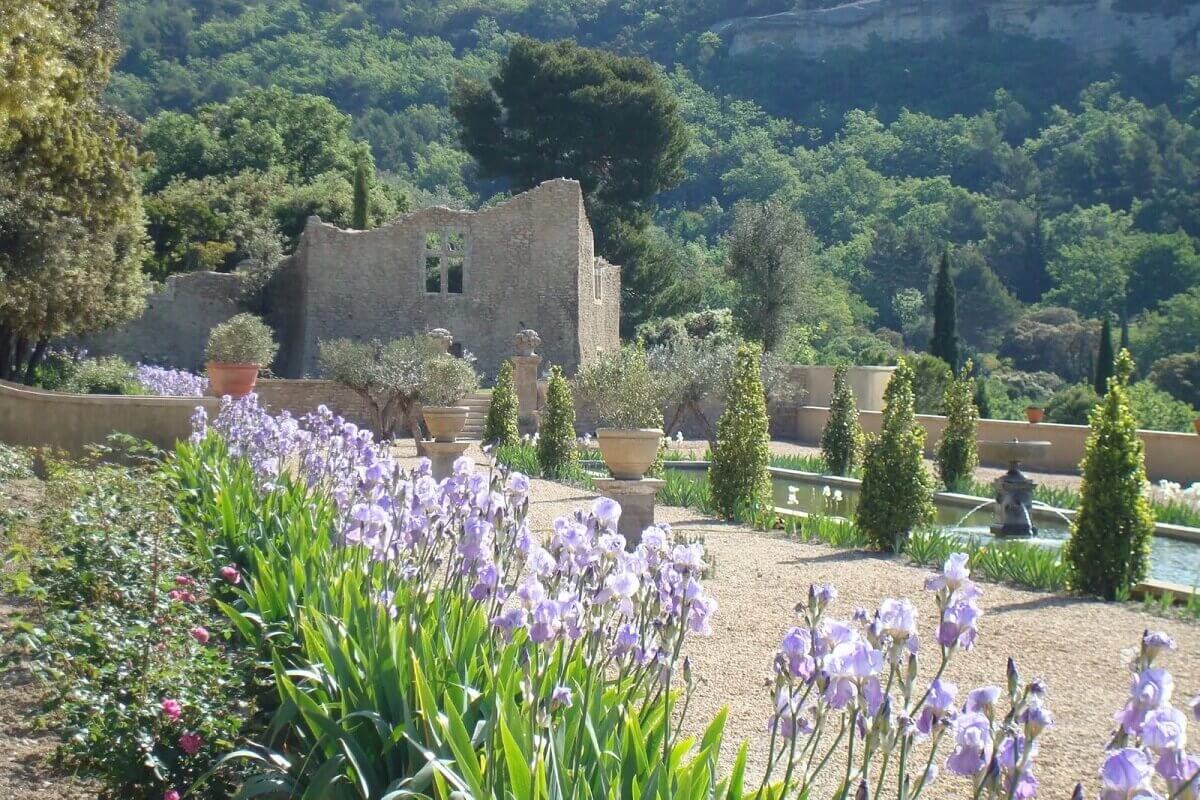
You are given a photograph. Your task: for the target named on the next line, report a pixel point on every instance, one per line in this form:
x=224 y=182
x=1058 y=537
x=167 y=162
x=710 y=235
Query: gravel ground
x=1074 y=644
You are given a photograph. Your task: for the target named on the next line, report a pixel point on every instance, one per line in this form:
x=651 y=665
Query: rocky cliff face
x=1098 y=27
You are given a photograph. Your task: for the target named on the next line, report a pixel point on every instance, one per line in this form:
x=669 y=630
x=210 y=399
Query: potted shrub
x=237 y=349
x=1034 y=414
x=446 y=381
x=624 y=398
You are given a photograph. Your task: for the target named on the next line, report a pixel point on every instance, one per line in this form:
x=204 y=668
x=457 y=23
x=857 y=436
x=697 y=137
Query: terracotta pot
x=629 y=452
x=1034 y=414
x=1196 y=425
x=231 y=378
x=445 y=423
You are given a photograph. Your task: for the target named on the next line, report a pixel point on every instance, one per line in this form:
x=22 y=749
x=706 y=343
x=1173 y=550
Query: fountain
x=1014 y=490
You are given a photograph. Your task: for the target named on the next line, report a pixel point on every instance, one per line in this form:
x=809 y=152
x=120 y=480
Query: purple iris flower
x=982 y=700
x=1124 y=774
x=972 y=744
x=607 y=511
x=561 y=697
x=1151 y=689
x=938 y=704
x=1164 y=728
x=958 y=627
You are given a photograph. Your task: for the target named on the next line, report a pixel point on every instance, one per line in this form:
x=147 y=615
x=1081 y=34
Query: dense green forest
x=1063 y=190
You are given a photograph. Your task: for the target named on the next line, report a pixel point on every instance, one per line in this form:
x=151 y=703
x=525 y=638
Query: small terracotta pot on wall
x=235 y=380
x=445 y=423
x=629 y=452
x=1196 y=425
x=1035 y=414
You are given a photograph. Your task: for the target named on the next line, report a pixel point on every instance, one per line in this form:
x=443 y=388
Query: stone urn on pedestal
x=237 y=349
x=447 y=380
x=623 y=397
x=525 y=379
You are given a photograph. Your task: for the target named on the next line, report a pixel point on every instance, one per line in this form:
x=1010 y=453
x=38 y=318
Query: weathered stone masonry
x=528 y=262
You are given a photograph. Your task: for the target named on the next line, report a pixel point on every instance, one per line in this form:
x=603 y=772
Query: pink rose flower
x=191 y=743
x=172 y=709
x=200 y=634
x=230 y=574
x=171 y=795
x=183 y=580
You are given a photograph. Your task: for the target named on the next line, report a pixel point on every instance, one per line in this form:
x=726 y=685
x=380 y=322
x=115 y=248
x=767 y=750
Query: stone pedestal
x=637 y=504
x=525 y=372
x=442 y=455
x=1014 y=505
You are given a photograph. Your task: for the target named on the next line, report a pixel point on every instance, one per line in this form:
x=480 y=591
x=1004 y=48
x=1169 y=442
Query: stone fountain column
x=525 y=371
x=1014 y=489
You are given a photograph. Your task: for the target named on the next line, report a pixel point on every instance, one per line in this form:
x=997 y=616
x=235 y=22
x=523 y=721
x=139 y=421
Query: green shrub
x=390 y=377
x=15 y=463
x=620 y=390
x=738 y=474
x=1072 y=405
x=1156 y=410
x=957 y=455
x=842 y=438
x=107 y=375
x=241 y=339
x=931 y=376
x=447 y=380
x=1179 y=375
x=500 y=428
x=1109 y=548
x=556 y=450
x=897 y=491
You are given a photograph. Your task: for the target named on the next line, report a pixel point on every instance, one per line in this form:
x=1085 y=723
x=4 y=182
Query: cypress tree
x=944 y=343
x=738 y=474
x=556 y=451
x=500 y=427
x=897 y=490
x=360 y=212
x=1104 y=359
x=957 y=454
x=1124 y=345
x=842 y=438
x=1109 y=548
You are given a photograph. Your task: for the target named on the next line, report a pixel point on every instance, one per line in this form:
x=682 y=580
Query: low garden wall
x=71 y=422
x=1169 y=456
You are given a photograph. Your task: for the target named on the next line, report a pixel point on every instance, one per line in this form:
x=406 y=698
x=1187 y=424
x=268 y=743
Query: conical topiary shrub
x=842 y=438
x=556 y=450
x=1109 y=548
x=957 y=453
x=500 y=427
x=897 y=490
x=738 y=474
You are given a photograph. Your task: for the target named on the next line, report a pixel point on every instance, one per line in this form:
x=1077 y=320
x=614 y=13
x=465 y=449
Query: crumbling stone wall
x=174 y=328
x=526 y=263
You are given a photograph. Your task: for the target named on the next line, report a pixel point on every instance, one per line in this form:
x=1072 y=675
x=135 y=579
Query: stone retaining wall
x=1169 y=456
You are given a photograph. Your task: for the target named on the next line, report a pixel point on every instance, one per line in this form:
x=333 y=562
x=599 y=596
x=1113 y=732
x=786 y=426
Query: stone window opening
x=445 y=261
x=597 y=283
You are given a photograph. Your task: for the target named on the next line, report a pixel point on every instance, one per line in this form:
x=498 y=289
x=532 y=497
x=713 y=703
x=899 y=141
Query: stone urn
x=1035 y=414
x=445 y=423
x=629 y=452
x=231 y=378
x=527 y=342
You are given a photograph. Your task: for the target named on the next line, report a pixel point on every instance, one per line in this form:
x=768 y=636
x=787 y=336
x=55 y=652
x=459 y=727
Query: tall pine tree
x=944 y=343
x=1104 y=359
x=361 y=210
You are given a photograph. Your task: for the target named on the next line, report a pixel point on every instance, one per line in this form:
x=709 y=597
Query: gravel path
x=1075 y=645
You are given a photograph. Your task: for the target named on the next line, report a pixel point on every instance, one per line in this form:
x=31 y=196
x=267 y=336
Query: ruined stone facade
x=1095 y=27
x=528 y=262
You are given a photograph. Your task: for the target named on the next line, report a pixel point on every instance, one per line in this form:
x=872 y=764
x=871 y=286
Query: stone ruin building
x=528 y=262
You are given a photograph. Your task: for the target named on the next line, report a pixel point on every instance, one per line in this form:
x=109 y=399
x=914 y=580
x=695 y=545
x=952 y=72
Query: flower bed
x=418 y=639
